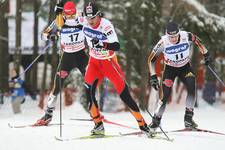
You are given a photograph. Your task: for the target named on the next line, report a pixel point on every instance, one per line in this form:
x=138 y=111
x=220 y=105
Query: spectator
x=17 y=91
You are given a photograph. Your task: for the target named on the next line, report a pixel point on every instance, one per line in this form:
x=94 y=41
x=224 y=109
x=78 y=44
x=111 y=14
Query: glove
x=96 y=43
x=208 y=59
x=58 y=8
x=52 y=37
x=44 y=36
x=154 y=82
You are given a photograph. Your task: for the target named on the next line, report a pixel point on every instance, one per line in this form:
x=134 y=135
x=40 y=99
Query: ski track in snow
x=206 y=116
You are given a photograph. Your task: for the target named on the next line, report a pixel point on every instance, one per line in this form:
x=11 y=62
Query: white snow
x=217 y=22
x=127 y=4
x=208 y=117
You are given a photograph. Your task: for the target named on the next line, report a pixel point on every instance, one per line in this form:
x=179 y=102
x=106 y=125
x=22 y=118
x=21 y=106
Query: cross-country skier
x=175 y=46
x=103 y=42
x=73 y=54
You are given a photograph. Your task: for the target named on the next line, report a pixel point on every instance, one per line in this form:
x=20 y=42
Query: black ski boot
x=188 y=119
x=145 y=129
x=46 y=119
x=155 y=123
x=98 y=129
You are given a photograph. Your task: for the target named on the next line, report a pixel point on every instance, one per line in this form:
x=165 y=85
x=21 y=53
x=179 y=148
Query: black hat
x=91 y=10
x=172 y=28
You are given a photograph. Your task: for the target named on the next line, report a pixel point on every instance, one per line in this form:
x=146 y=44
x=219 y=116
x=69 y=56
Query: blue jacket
x=18 y=89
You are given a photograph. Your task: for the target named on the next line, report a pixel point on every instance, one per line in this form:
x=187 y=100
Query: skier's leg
x=188 y=78
x=92 y=77
x=113 y=72
x=165 y=92
x=66 y=67
x=81 y=65
x=94 y=110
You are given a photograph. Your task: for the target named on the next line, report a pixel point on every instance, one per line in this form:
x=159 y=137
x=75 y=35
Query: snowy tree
x=216 y=6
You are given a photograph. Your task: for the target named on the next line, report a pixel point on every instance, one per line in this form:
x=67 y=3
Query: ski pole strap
x=216 y=75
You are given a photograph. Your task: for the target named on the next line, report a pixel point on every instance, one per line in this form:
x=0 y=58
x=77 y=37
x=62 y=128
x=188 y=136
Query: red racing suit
x=102 y=64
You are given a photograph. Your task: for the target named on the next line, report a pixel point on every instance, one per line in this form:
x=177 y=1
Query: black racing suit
x=186 y=75
x=184 y=72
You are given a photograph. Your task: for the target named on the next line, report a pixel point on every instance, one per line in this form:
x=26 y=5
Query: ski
x=86 y=137
x=30 y=125
x=138 y=134
x=197 y=130
x=154 y=136
x=105 y=121
x=175 y=131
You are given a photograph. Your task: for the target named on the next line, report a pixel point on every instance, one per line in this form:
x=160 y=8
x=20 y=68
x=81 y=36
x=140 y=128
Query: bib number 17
x=74 y=37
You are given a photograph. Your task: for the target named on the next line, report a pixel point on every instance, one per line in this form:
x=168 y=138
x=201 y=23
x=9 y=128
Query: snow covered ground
x=28 y=138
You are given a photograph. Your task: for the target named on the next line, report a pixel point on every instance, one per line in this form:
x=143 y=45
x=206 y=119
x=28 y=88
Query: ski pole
x=160 y=127
x=42 y=52
x=216 y=75
x=60 y=98
x=60 y=93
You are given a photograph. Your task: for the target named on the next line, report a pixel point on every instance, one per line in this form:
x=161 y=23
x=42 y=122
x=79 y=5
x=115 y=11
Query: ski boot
x=98 y=129
x=145 y=129
x=46 y=119
x=188 y=121
x=155 y=123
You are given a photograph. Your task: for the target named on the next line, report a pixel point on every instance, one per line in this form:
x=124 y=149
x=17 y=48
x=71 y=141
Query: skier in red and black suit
x=175 y=46
x=103 y=42
x=72 y=42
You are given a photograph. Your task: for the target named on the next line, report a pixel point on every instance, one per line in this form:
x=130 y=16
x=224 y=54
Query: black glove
x=154 y=82
x=208 y=59
x=52 y=37
x=59 y=8
x=96 y=43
